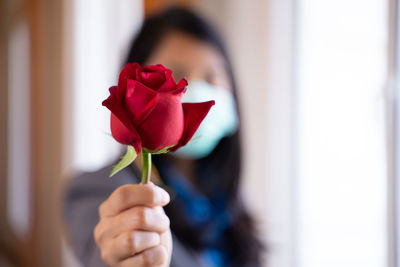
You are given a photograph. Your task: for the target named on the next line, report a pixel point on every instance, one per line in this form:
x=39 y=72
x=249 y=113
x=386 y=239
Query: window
x=342 y=180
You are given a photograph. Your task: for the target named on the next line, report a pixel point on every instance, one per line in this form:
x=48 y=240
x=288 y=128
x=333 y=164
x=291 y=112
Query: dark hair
x=225 y=160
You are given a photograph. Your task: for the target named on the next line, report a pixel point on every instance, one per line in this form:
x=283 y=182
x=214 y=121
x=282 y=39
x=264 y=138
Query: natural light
x=341 y=72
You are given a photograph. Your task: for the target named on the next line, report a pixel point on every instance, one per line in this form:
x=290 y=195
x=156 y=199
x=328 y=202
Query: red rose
x=146 y=109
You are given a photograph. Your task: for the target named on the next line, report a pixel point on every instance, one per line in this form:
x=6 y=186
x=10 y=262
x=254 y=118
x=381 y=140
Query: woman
x=117 y=222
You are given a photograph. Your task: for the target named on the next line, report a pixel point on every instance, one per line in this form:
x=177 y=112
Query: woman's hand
x=133 y=229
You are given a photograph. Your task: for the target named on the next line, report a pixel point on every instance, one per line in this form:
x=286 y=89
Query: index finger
x=127 y=196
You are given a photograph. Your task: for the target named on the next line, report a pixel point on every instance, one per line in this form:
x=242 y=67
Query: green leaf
x=161 y=151
x=126 y=159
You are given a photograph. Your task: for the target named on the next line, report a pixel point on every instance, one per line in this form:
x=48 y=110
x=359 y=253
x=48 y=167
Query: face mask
x=221 y=121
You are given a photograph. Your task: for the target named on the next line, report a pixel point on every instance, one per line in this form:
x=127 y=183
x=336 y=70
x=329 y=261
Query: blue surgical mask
x=221 y=121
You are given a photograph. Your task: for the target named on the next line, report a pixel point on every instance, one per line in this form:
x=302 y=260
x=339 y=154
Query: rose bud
x=147 y=110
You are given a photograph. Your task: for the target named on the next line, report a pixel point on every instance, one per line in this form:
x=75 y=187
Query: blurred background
x=318 y=85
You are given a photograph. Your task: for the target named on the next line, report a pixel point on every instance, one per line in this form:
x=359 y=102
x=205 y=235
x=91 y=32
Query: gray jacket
x=83 y=195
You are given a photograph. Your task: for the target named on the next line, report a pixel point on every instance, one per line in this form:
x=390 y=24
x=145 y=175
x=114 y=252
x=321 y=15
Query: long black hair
x=225 y=160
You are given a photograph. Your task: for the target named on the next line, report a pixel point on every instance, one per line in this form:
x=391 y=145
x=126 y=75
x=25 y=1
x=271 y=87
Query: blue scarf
x=202 y=212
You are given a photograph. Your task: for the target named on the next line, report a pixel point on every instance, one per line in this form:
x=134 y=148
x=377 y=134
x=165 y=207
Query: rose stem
x=146 y=171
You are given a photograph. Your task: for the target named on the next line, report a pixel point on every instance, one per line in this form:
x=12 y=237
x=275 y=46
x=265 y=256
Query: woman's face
x=192 y=59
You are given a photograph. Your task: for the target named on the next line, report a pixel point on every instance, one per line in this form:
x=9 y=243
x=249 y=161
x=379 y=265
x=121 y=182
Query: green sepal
x=161 y=151
x=126 y=159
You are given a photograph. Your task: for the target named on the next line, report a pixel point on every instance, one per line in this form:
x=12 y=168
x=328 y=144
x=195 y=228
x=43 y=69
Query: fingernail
x=164 y=196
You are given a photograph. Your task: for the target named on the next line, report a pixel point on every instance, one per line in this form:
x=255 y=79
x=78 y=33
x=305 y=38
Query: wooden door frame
x=46 y=129
x=42 y=245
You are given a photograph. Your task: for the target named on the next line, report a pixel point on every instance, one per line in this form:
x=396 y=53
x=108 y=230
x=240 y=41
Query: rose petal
x=165 y=125
x=114 y=104
x=123 y=135
x=182 y=83
x=139 y=101
x=180 y=87
x=154 y=80
x=168 y=74
x=169 y=85
x=194 y=114
x=128 y=72
x=157 y=68
x=152 y=76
